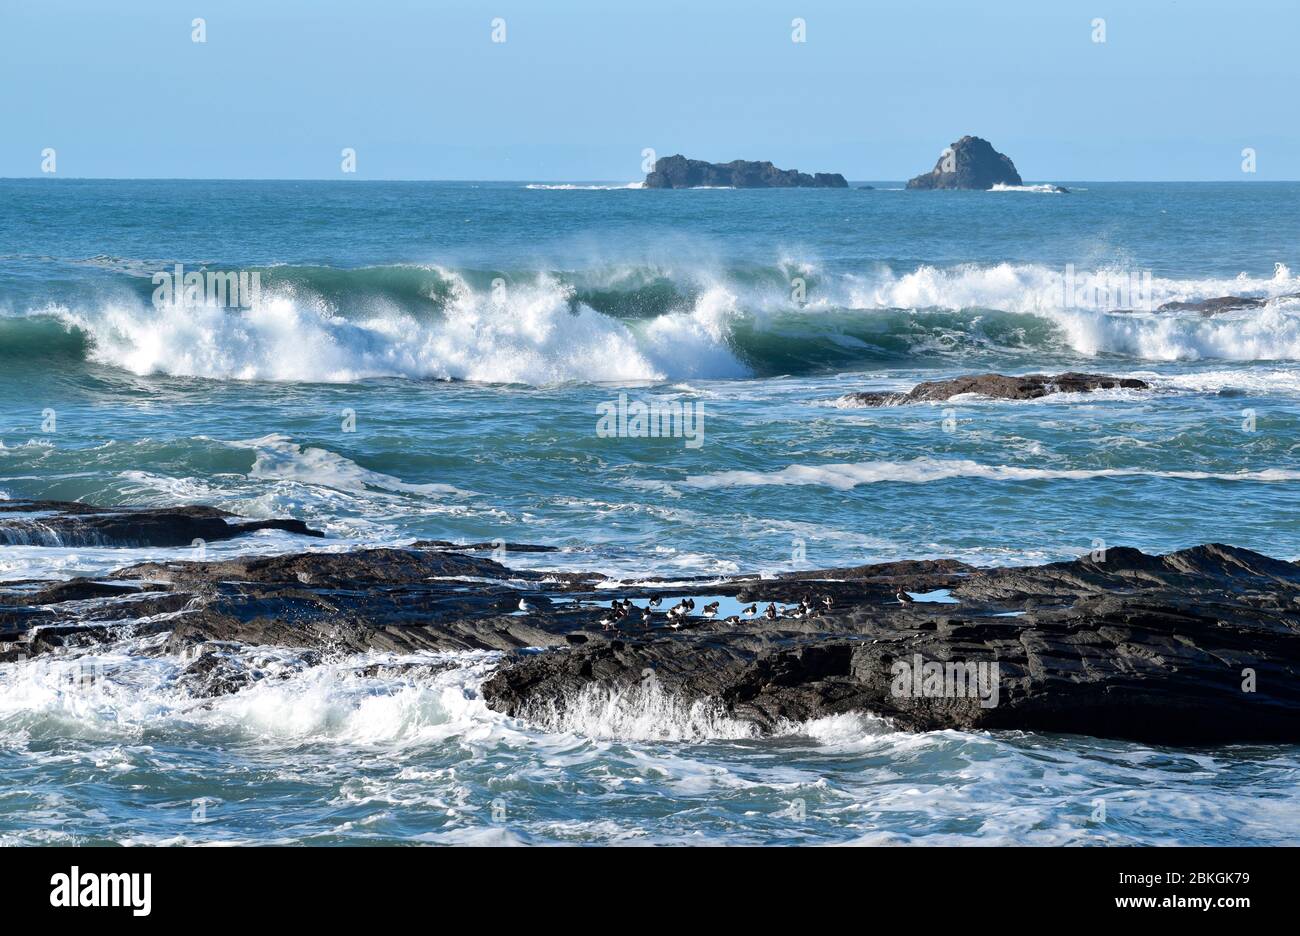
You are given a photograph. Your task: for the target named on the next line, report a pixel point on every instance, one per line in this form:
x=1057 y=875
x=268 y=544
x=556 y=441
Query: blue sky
x=580 y=88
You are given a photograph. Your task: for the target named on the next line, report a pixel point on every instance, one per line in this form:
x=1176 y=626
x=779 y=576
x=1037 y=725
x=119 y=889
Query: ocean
x=430 y=361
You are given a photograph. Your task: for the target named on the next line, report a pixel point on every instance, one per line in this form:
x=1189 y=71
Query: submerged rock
x=1198 y=646
x=66 y=523
x=679 y=172
x=997 y=386
x=1214 y=306
x=970 y=163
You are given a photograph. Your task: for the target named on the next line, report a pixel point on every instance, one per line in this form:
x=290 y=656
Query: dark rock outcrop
x=1198 y=646
x=481 y=547
x=997 y=386
x=678 y=172
x=971 y=163
x=1214 y=306
x=382 y=599
x=66 y=523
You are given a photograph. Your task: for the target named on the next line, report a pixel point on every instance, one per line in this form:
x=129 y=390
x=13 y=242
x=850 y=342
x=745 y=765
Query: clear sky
x=580 y=87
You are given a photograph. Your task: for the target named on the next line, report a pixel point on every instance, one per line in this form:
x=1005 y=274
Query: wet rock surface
x=679 y=172
x=1199 y=646
x=67 y=523
x=998 y=386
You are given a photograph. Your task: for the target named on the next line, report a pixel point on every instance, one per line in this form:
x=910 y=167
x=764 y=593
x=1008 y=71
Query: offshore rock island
x=678 y=172
x=969 y=163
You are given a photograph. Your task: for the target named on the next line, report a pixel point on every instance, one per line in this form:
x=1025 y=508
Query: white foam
x=1034 y=288
x=849 y=728
x=1256 y=380
x=925 y=470
x=641 y=712
x=280 y=458
x=121 y=690
x=412 y=753
x=535 y=333
x=1043 y=188
x=528 y=334
x=1271 y=333
x=571 y=187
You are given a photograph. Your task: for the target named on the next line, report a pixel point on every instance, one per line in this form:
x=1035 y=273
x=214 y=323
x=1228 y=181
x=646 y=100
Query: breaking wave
x=643 y=323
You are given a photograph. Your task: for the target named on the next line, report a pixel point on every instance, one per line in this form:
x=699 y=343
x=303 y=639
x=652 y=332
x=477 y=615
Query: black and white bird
x=770 y=613
x=904 y=598
x=750 y=611
x=656 y=601
x=731 y=621
x=677 y=615
x=711 y=610
x=524 y=605
x=827 y=602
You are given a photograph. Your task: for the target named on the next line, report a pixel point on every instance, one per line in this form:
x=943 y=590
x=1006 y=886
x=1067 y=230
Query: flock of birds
x=621 y=608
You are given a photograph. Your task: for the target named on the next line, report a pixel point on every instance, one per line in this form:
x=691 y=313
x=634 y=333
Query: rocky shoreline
x=1200 y=646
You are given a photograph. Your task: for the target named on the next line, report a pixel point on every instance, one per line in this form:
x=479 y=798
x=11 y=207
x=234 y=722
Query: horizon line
x=94 y=178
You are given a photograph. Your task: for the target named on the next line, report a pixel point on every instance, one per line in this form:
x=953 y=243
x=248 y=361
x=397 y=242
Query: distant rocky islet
x=970 y=163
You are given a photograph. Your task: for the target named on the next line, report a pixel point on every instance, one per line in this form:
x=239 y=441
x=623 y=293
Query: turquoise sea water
x=468 y=333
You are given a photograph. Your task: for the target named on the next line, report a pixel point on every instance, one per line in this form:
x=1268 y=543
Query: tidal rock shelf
x=1200 y=646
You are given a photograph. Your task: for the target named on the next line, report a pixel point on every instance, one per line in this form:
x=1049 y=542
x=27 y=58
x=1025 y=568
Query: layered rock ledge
x=998 y=387
x=68 y=523
x=1199 y=646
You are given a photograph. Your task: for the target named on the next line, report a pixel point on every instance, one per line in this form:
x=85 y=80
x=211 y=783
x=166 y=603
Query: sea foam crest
x=528 y=333
x=544 y=329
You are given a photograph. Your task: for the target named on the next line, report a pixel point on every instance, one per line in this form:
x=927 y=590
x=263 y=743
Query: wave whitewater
x=925 y=470
x=638 y=323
